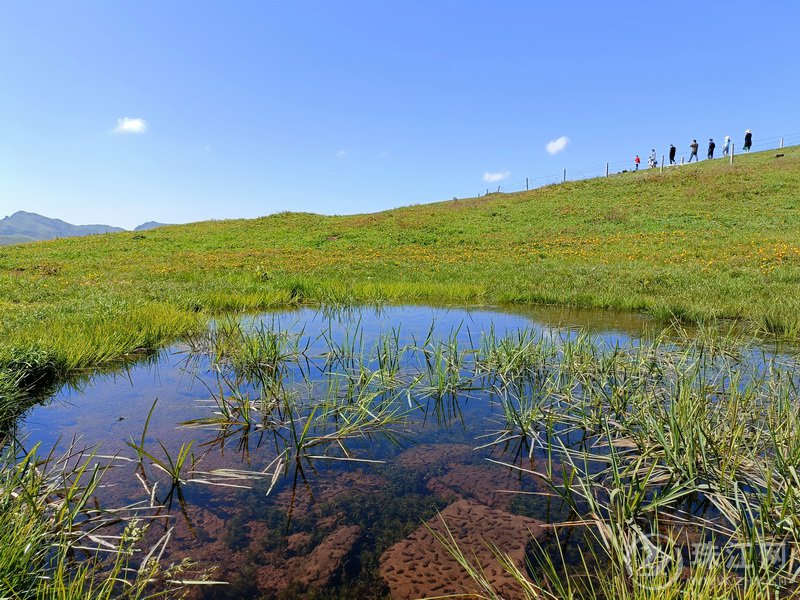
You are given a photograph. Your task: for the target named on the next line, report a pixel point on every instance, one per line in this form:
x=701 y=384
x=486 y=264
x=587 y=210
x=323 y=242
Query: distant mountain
x=28 y=227
x=150 y=225
x=37 y=227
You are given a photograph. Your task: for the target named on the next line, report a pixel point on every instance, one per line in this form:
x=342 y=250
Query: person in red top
x=636 y=161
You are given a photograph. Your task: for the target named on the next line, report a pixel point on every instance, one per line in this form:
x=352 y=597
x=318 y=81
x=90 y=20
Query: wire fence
x=612 y=168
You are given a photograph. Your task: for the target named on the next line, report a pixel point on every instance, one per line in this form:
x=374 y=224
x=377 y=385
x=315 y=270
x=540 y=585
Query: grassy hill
x=697 y=242
x=7 y=240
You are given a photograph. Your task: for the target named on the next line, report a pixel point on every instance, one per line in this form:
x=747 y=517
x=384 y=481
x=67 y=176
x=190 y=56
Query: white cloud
x=129 y=125
x=341 y=153
x=558 y=145
x=494 y=177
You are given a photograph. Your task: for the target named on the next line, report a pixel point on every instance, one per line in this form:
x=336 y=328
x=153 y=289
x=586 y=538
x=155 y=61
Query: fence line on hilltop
x=613 y=168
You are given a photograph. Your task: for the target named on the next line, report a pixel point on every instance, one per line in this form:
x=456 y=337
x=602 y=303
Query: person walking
x=636 y=162
x=694 y=146
x=672 y=154
x=711 y=146
x=726 y=145
x=748 y=140
x=652 y=161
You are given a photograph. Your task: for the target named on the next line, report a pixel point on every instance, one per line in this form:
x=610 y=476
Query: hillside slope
x=7 y=240
x=701 y=241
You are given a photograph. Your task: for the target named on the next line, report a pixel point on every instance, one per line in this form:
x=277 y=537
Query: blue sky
x=241 y=109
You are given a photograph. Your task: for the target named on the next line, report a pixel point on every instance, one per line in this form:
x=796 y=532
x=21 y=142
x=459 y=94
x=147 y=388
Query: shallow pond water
x=347 y=430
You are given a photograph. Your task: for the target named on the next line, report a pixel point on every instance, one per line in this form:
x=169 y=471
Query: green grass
x=15 y=239
x=49 y=532
x=699 y=242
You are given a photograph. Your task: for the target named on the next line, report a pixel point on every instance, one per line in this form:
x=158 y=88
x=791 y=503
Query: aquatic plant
x=647 y=443
x=444 y=366
x=258 y=354
x=513 y=357
x=57 y=543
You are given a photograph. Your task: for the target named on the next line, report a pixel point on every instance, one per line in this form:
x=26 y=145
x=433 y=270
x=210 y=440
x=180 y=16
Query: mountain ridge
x=23 y=226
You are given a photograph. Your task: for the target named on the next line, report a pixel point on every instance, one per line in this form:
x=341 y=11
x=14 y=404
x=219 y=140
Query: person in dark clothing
x=711 y=146
x=694 y=146
x=748 y=140
x=671 y=154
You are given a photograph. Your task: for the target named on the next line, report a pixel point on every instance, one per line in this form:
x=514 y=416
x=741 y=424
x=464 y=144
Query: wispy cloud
x=341 y=153
x=130 y=125
x=557 y=145
x=494 y=177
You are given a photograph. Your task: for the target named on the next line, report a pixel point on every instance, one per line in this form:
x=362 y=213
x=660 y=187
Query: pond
x=333 y=453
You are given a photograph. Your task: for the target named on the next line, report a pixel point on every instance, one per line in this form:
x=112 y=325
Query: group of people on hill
x=694 y=147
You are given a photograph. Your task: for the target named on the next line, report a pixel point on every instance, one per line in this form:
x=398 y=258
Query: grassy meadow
x=699 y=242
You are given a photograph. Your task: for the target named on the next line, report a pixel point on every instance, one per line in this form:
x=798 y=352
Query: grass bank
x=698 y=242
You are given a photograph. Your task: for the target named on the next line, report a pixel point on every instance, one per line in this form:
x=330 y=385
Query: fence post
x=606 y=170
x=662 y=164
x=732 y=146
x=781 y=142
x=565 y=176
x=526 y=184
x=682 y=159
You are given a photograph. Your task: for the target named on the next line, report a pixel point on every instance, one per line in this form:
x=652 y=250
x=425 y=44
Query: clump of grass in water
x=56 y=545
x=390 y=358
x=444 y=366
x=303 y=421
x=514 y=357
x=260 y=354
x=639 y=442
